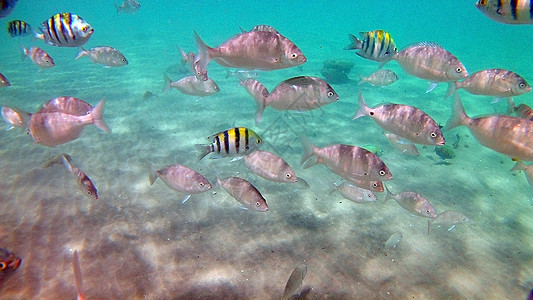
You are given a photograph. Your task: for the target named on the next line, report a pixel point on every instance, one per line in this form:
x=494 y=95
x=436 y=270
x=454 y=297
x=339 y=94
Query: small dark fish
x=149 y=95
x=244 y=192
x=128 y=7
x=4 y=81
x=8 y=261
x=18 y=28
x=65 y=30
x=238 y=141
x=107 y=56
x=6 y=7
x=507 y=11
x=295 y=281
x=376 y=45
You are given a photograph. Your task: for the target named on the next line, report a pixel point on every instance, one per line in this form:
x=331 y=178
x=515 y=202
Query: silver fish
x=270 y=166
x=244 y=192
x=428 y=60
x=354 y=193
x=298 y=93
x=257 y=49
x=507 y=11
x=528 y=170
x=376 y=45
x=128 y=7
x=191 y=85
x=349 y=162
x=233 y=142
x=39 y=57
x=179 y=178
x=413 y=202
x=67 y=105
x=294 y=282
x=381 y=77
x=512 y=136
x=4 y=81
x=372 y=185
x=492 y=82
x=195 y=64
x=393 y=240
x=396 y=142
x=65 y=30
x=15 y=117
x=55 y=128
x=405 y=121
x=107 y=56
x=448 y=218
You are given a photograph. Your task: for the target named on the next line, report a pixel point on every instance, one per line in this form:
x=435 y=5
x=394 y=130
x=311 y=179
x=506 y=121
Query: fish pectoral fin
x=432 y=86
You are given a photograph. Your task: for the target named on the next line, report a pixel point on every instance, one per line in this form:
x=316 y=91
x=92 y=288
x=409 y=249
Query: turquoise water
x=139 y=241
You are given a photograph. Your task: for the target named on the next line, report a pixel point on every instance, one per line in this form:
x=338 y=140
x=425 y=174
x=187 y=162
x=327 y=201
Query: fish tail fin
x=260 y=93
x=81 y=53
x=204 y=150
x=459 y=116
x=152 y=174
x=55 y=160
x=96 y=116
x=355 y=43
x=389 y=193
x=25 y=52
x=228 y=73
x=452 y=87
x=65 y=159
x=363 y=108
x=203 y=51
x=183 y=55
x=429 y=225
x=510 y=106
x=334 y=187
x=77 y=275
x=168 y=81
x=117 y=6
x=362 y=80
x=308 y=152
x=519 y=166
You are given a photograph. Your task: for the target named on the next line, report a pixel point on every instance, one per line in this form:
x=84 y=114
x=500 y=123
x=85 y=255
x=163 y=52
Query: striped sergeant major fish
x=376 y=45
x=238 y=141
x=65 y=30
x=507 y=11
x=18 y=28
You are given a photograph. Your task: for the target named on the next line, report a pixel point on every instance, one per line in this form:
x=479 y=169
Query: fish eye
x=288 y=175
x=257 y=204
x=330 y=94
x=459 y=70
x=259 y=141
x=294 y=55
x=482 y=2
x=433 y=135
x=375 y=185
x=201 y=184
x=382 y=173
x=84 y=29
x=3 y=265
x=387 y=53
x=521 y=85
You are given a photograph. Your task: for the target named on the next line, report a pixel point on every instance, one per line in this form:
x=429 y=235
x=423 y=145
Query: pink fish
x=55 y=128
x=413 y=202
x=39 y=57
x=196 y=66
x=262 y=48
x=244 y=192
x=15 y=117
x=68 y=105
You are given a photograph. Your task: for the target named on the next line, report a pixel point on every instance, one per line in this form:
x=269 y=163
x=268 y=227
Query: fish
x=397 y=143
x=511 y=136
x=238 y=141
x=107 y=56
x=449 y=217
x=8 y=261
x=354 y=193
x=492 y=82
x=18 y=28
x=15 y=117
x=244 y=192
x=262 y=49
x=406 y=121
x=524 y=111
x=6 y=7
x=65 y=30
x=294 y=282
x=528 y=170
x=84 y=182
x=270 y=166
x=412 y=202
x=66 y=104
x=4 y=82
x=377 y=45
x=55 y=128
x=428 y=60
x=147 y=95
x=191 y=85
x=393 y=240
x=242 y=75
x=77 y=275
x=300 y=93
x=179 y=178
x=507 y=11
x=128 y=7
x=349 y=162
x=381 y=77
x=39 y=57
x=197 y=66
x=371 y=185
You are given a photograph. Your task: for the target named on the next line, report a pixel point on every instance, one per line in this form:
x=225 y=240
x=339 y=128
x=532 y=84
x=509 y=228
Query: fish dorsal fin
x=300 y=80
x=264 y=28
x=425 y=44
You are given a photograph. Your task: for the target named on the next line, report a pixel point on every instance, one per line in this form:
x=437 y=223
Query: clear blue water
x=139 y=241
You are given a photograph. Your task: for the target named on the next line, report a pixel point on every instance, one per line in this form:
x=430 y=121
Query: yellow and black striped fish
x=18 y=28
x=375 y=45
x=507 y=11
x=238 y=141
x=65 y=30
